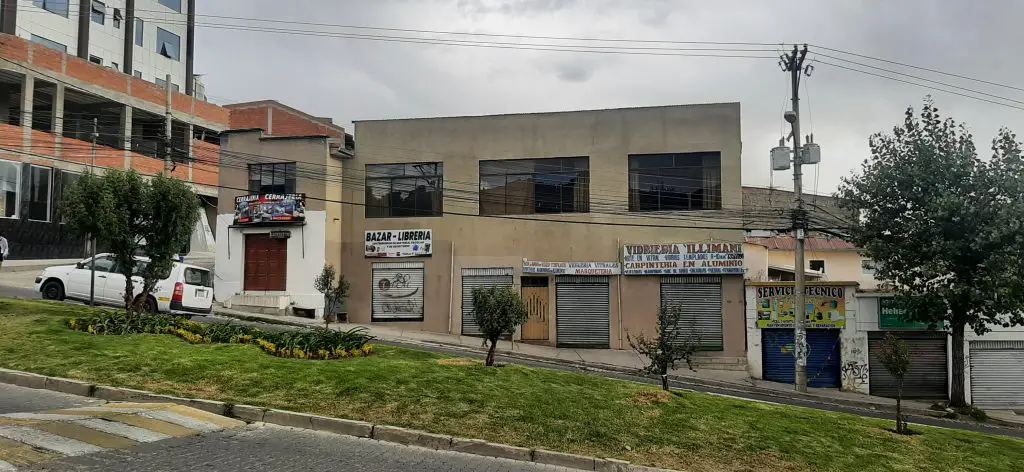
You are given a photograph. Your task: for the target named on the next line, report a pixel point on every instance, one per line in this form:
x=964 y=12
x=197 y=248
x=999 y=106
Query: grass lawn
x=515 y=405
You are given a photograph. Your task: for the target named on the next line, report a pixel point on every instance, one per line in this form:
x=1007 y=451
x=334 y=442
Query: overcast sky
x=349 y=79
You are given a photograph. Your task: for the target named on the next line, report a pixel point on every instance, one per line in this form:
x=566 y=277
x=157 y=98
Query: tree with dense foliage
x=670 y=344
x=499 y=311
x=334 y=292
x=133 y=214
x=895 y=357
x=943 y=227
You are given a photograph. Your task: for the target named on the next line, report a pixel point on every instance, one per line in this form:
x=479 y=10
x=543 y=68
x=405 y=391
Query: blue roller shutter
x=823 y=360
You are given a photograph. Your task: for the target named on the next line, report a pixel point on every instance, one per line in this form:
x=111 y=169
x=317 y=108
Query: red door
x=266 y=263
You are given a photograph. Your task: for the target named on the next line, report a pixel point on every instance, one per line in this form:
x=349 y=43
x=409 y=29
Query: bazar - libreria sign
x=825 y=306
x=398 y=243
x=682 y=259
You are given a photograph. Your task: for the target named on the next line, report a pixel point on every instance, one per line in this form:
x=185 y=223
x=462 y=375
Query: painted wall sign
x=571 y=268
x=890 y=316
x=826 y=306
x=270 y=208
x=399 y=243
x=397 y=294
x=682 y=259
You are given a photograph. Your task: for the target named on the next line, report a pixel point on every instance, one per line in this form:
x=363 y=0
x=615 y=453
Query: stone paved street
x=271 y=449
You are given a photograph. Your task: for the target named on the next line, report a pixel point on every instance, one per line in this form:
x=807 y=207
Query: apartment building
x=597 y=217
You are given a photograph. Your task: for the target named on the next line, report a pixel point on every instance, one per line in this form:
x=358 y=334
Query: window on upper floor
x=117 y=18
x=272 y=178
x=175 y=88
x=98 y=12
x=168 y=44
x=139 y=27
x=404 y=190
x=96 y=60
x=529 y=186
x=172 y=4
x=675 y=182
x=113 y=65
x=817 y=265
x=137 y=74
x=161 y=82
x=59 y=7
x=867 y=267
x=10 y=181
x=49 y=43
x=40 y=180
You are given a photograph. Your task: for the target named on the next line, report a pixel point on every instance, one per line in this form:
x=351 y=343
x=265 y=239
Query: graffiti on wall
x=855 y=374
x=398 y=294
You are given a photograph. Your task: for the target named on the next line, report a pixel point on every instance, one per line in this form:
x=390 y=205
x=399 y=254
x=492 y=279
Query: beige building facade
x=596 y=217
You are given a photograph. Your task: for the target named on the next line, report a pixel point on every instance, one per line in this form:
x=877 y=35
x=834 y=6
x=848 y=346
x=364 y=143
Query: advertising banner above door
x=571 y=268
x=826 y=306
x=399 y=243
x=270 y=208
x=682 y=259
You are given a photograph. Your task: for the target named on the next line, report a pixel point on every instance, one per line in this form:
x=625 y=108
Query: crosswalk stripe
x=42 y=416
x=6 y=467
x=222 y=421
x=181 y=420
x=163 y=427
x=131 y=432
x=48 y=441
x=87 y=435
x=21 y=454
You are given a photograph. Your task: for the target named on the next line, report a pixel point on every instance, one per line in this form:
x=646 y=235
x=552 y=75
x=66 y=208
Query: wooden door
x=266 y=263
x=535 y=295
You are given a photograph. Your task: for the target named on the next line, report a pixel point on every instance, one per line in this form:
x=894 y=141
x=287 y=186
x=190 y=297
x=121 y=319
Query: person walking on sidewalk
x=5 y=250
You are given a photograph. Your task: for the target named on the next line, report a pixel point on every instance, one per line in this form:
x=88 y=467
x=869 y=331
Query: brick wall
x=250 y=117
x=284 y=122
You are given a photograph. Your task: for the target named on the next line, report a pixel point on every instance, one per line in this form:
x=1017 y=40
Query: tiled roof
x=788 y=243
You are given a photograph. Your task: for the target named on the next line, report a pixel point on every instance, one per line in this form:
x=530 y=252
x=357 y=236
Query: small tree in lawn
x=335 y=292
x=895 y=357
x=668 y=346
x=498 y=311
x=172 y=210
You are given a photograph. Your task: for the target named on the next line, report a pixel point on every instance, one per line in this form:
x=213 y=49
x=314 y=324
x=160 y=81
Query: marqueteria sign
x=571 y=268
x=682 y=259
x=826 y=306
x=398 y=243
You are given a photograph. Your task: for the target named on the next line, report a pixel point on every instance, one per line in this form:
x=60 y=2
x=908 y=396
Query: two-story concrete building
x=597 y=217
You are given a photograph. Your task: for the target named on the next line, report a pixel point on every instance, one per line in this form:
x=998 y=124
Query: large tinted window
x=528 y=186
x=172 y=4
x=49 y=43
x=397 y=190
x=168 y=44
x=59 y=7
x=10 y=175
x=139 y=31
x=39 y=193
x=675 y=182
x=272 y=178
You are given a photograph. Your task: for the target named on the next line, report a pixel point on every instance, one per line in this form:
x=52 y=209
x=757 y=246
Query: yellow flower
x=368 y=349
x=343 y=354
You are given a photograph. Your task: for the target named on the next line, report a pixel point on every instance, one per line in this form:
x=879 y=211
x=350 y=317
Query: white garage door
x=997 y=374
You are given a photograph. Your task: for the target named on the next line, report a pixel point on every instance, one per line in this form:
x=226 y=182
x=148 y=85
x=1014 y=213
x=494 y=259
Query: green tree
x=498 y=311
x=130 y=213
x=943 y=226
x=895 y=357
x=335 y=292
x=670 y=344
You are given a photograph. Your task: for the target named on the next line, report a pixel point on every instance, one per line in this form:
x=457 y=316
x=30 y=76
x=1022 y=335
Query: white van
x=187 y=290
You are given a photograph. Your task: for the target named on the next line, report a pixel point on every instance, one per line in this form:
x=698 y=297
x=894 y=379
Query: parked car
x=187 y=289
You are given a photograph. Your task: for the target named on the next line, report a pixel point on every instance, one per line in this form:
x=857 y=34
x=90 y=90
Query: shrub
x=498 y=311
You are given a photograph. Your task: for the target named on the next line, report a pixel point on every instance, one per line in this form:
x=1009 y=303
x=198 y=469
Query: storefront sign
x=398 y=243
x=571 y=268
x=682 y=259
x=825 y=306
x=270 y=208
x=890 y=316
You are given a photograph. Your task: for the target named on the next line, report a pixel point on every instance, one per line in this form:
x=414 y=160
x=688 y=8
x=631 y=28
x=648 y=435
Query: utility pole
x=794 y=64
x=92 y=240
x=168 y=161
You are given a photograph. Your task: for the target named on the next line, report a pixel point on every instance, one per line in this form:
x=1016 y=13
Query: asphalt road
x=23 y=400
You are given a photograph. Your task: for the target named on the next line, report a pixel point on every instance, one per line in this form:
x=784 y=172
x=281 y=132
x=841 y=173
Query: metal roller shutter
x=778 y=364
x=397 y=292
x=997 y=374
x=582 y=311
x=700 y=298
x=480 y=278
x=927 y=378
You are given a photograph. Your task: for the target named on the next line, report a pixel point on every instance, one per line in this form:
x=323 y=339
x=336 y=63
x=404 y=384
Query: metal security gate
x=582 y=311
x=700 y=299
x=480 y=278
x=997 y=374
x=823 y=361
x=397 y=292
x=927 y=378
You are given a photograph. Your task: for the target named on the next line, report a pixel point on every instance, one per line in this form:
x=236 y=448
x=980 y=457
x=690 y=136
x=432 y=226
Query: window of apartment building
x=67 y=179
x=98 y=12
x=137 y=74
x=96 y=59
x=113 y=65
x=139 y=26
x=49 y=43
x=172 y=4
x=175 y=88
x=59 y=7
x=817 y=265
x=867 y=267
x=675 y=182
x=528 y=186
x=168 y=44
x=272 y=178
x=40 y=179
x=161 y=82
x=10 y=178
x=402 y=190
x=117 y=18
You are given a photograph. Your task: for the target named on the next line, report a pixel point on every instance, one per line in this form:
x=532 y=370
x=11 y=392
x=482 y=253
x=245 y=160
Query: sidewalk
x=625 y=362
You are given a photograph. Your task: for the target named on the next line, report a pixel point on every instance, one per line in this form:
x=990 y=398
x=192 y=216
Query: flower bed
x=317 y=344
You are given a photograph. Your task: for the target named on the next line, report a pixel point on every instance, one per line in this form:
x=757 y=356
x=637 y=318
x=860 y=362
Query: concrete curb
x=360 y=429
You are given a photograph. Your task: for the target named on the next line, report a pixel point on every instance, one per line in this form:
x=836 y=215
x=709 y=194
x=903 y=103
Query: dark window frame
x=140 y=27
x=39 y=207
x=173 y=53
x=137 y=74
x=281 y=176
x=172 y=4
x=117 y=18
x=98 y=12
x=568 y=177
x=661 y=173
x=408 y=176
x=816 y=262
x=49 y=43
x=57 y=7
x=96 y=59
